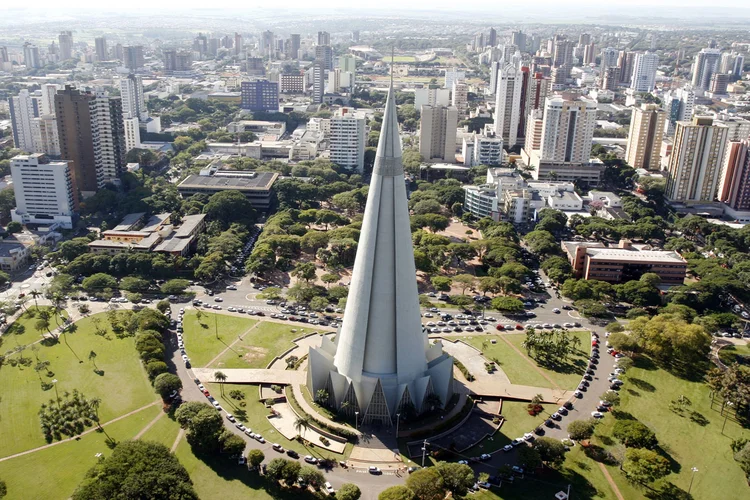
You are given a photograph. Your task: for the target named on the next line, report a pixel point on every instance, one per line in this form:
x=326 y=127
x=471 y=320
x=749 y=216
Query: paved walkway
x=239 y=339
x=252 y=375
x=177 y=440
x=149 y=425
x=284 y=423
x=611 y=481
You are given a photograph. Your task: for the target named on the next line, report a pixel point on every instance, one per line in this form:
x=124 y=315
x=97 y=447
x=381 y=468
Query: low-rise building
x=481 y=201
x=625 y=262
x=565 y=200
x=256 y=186
x=606 y=198
x=521 y=205
x=43 y=190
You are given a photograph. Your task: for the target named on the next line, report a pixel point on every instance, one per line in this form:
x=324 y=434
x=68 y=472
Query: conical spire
x=388 y=157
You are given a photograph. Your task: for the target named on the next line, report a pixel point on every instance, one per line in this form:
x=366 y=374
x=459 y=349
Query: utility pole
x=398 y=420
x=424 y=451
x=694 y=470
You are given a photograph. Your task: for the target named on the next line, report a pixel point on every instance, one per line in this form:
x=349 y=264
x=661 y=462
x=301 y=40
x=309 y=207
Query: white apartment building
x=521 y=206
x=322 y=125
x=460 y=98
x=348 y=139
x=508 y=103
x=565 y=200
x=432 y=97
x=482 y=201
x=568 y=129
x=108 y=136
x=47 y=102
x=46 y=138
x=487 y=150
x=695 y=166
x=437 y=133
x=678 y=105
x=644 y=72
x=23 y=109
x=453 y=75
x=43 y=189
x=133 y=100
x=132 y=133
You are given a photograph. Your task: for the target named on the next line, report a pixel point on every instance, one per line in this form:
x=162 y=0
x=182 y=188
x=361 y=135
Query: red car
x=206 y=393
x=614 y=353
x=594 y=342
x=500 y=327
x=519 y=327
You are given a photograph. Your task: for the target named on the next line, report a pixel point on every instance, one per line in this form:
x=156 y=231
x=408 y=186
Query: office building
x=324 y=55
x=315 y=74
x=460 y=99
x=66 y=45
x=734 y=188
x=92 y=138
x=133 y=57
x=260 y=95
x=719 y=84
x=31 y=57
x=366 y=367
x=437 y=133
x=453 y=75
x=43 y=189
x=295 y=44
x=625 y=262
x=256 y=186
x=324 y=38
x=100 y=44
x=645 y=137
x=626 y=63
x=644 y=72
x=292 y=83
x=23 y=109
x=44 y=132
x=695 y=165
x=678 y=105
x=518 y=38
x=568 y=128
x=609 y=58
x=348 y=63
x=133 y=100
x=347 y=138
x=705 y=65
x=492 y=38
x=611 y=79
x=432 y=97
x=508 y=104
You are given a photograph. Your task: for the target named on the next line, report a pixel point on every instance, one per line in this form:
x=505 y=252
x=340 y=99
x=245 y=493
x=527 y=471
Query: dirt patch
x=254 y=353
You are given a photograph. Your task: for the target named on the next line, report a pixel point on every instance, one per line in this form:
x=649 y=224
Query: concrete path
x=284 y=423
x=252 y=375
x=473 y=360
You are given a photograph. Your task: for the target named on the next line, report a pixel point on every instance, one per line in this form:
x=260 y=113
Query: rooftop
x=231 y=180
x=130 y=220
x=189 y=223
x=630 y=253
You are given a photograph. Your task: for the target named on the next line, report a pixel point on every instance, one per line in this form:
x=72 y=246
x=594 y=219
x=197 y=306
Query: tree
x=529 y=457
x=551 y=451
x=92 y=358
x=205 y=429
x=302 y=423
x=634 y=434
x=304 y=271
x=166 y=383
x=441 y=283
x=464 y=281
x=270 y=293
x=14 y=227
x=644 y=466
x=174 y=287
x=275 y=468
x=132 y=284
x=137 y=469
x=579 y=430
x=255 y=457
x=211 y=267
x=507 y=304
x=541 y=243
x=611 y=397
x=220 y=377
x=330 y=278
x=457 y=478
x=396 y=493
x=348 y=491
x=99 y=282
x=3 y=489
x=426 y=206
x=623 y=342
x=232 y=444
x=311 y=475
x=229 y=206
x=318 y=303
x=427 y=484
x=163 y=306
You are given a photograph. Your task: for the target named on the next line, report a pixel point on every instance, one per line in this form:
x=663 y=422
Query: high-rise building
x=23 y=109
x=719 y=84
x=355 y=36
x=47 y=100
x=66 y=45
x=568 y=129
x=291 y=83
x=705 y=65
x=518 y=38
x=492 y=38
x=382 y=362
x=644 y=72
x=348 y=139
x=645 y=137
x=295 y=44
x=200 y=45
x=452 y=75
x=626 y=63
x=101 y=48
x=611 y=78
x=92 y=138
x=538 y=89
x=318 y=82
x=534 y=129
x=431 y=97
x=563 y=52
x=584 y=39
x=133 y=99
x=460 y=99
x=508 y=104
x=678 y=105
x=44 y=131
x=133 y=57
x=348 y=63
x=739 y=128
x=267 y=44
x=132 y=132
x=4 y=57
x=609 y=58
x=324 y=55
x=734 y=188
x=695 y=164
x=238 y=44
x=31 y=57
x=260 y=95
x=177 y=61
x=43 y=189
x=324 y=38
x=437 y=133
x=118 y=52
x=588 y=54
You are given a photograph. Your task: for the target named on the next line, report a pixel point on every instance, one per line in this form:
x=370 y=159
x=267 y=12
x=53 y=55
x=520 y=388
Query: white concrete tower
x=381 y=361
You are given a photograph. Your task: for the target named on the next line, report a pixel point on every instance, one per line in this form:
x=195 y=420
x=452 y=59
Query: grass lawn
x=123 y=386
x=399 y=59
x=692 y=440
x=201 y=343
x=260 y=346
x=254 y=417
x=164 y=431
x=55 y=472
x=23 y=332
x=517 y=423
x=517 y=368
x=736 y=354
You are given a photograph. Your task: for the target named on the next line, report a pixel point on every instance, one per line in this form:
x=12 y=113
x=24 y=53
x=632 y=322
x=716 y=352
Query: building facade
x=23 y=109
x=644 y=72
x=437 y=133
x=347 y=135
x=260 y=95
x=43 y=189
x=568 y=129
x=734 y=188
x=705 y=65
x=508 y=103
x=645 y=137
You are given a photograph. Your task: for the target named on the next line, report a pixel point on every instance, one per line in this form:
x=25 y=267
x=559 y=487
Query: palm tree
x=220 y=377
x=302 y=423
x=35 y=294
x=92 y=358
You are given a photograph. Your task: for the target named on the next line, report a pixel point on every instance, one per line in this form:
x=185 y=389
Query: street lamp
x=424 y=451
x=356 y=415
x=694 y=469
x=398 y=420
x=57 y=396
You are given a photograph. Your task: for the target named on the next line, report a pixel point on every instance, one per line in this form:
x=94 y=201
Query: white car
x=311 y=459
x=216 y=405
x=329 y=488
x=507 y=447
x=231 y=309
x=528 y=436
x=597 y=414
x=184 y=358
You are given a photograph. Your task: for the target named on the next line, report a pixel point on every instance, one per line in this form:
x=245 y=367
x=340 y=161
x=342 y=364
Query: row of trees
x=205 y=430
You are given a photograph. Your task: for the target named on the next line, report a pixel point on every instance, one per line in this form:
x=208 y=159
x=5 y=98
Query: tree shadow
x=642 y=384
x=699 y=419
x=622 y=415
x=633 y=393
x=667 y=491
x=606 y=440
x=674 y=465
x=644 y=363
